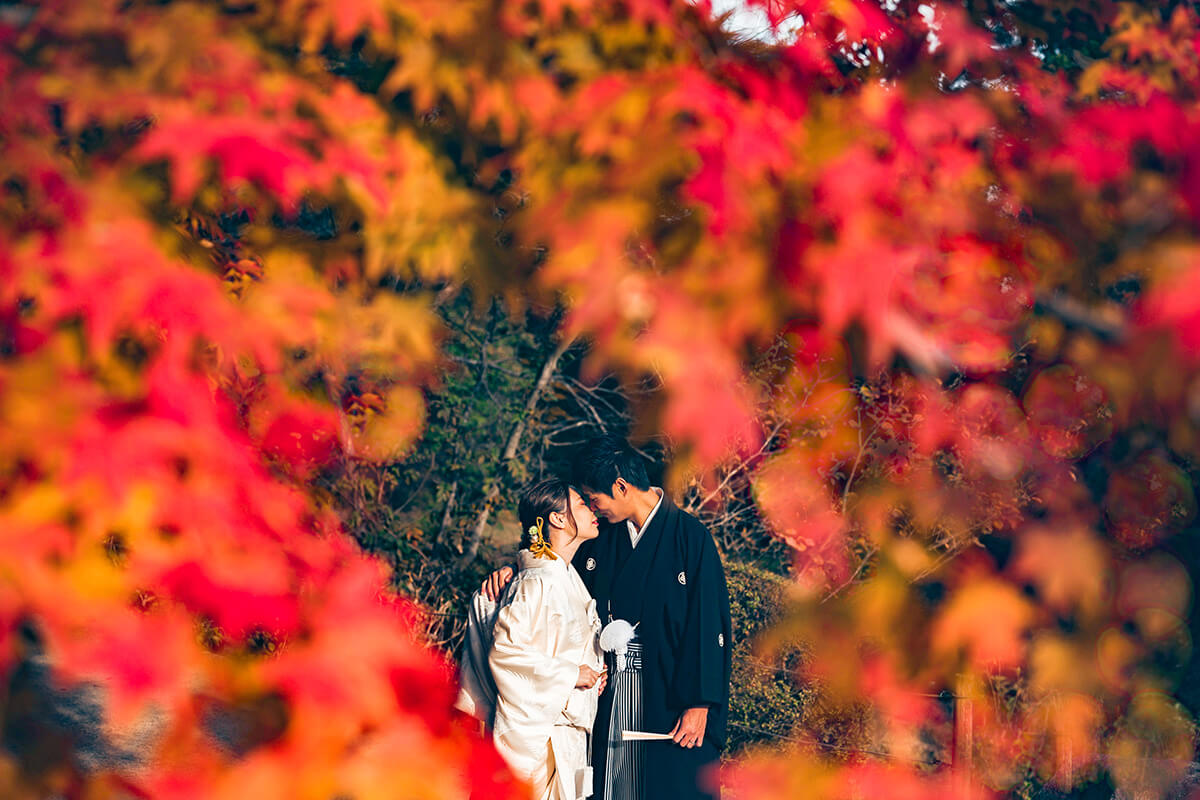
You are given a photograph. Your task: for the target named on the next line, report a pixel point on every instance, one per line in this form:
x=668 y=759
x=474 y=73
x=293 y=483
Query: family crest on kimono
x=532 y=668
x=654 y=569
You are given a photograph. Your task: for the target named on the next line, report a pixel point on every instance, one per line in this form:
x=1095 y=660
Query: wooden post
x=964 y=739
x=1069 y=777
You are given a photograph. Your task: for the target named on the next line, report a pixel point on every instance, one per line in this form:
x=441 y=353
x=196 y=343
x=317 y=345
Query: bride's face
x=585 y=520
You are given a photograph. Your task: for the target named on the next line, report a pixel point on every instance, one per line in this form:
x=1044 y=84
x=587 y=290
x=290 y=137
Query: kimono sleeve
x=477 y=690
x=703 y=659
x=533 y=684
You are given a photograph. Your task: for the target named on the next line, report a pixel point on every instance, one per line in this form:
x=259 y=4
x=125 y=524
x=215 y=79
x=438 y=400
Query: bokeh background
x=902 y=299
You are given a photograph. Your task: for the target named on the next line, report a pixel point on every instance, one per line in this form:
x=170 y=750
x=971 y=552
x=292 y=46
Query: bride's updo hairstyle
x=540 y=500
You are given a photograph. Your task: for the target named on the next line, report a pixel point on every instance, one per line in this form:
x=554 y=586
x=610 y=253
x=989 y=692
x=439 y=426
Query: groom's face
x=608 y=506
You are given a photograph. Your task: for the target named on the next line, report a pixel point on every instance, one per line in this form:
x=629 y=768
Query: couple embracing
x=648 y=711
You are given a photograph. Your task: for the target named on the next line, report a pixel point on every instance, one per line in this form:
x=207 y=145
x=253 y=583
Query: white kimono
x=545 y=629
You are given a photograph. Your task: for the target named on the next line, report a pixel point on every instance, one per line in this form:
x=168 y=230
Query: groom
x=656 y=566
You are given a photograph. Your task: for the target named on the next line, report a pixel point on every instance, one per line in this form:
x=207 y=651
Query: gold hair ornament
x=539 y=546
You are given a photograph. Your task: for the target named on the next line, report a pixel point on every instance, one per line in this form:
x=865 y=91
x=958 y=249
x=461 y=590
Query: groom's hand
x=495 y=583
x=689 y=730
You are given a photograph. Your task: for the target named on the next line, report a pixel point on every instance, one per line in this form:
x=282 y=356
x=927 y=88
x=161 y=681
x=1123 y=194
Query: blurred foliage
x=236 y=240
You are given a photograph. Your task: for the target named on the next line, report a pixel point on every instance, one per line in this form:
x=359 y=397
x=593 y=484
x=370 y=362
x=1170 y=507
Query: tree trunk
x=510 y=448
x=447 y=514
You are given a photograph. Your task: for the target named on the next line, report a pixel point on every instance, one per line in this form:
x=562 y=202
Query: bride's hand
x=587 y=677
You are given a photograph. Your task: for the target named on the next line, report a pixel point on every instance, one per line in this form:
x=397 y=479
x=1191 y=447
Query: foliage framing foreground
x=975 y=222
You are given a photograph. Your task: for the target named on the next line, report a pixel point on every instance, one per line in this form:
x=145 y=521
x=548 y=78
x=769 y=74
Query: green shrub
x=766 y=704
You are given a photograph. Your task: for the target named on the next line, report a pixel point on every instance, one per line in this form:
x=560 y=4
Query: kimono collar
x=635 y=533
x=527 y=560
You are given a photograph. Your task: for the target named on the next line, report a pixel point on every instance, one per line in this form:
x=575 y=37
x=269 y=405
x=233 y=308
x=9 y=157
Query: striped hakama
x=623 y=773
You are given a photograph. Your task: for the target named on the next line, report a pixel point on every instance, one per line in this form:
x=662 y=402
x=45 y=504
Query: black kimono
x=672 y=585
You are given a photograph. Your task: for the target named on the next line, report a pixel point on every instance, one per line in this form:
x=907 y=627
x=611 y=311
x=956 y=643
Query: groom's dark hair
x=606 y=458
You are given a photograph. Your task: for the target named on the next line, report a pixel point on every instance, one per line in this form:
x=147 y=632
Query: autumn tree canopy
x=222 y=230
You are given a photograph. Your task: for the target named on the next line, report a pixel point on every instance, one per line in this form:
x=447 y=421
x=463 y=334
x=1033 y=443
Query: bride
x=545 y=662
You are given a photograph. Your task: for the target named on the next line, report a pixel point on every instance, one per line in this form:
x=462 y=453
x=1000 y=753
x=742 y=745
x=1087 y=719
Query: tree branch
x=510 y=448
